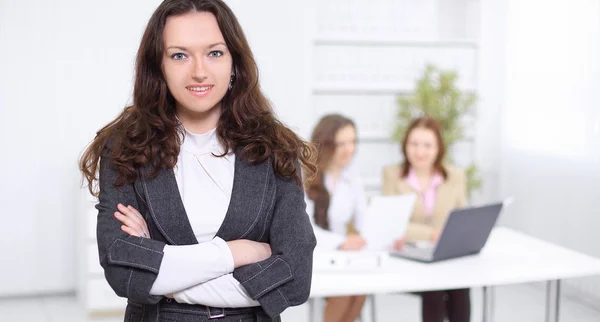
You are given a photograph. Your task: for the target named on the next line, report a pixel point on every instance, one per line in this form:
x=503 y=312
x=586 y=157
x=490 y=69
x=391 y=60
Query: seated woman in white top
x=336 y=198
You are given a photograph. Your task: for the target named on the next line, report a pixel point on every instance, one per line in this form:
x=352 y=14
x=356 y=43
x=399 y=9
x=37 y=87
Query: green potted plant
x=437 y=95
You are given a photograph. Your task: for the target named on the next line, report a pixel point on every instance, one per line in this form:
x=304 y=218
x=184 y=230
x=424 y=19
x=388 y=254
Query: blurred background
x=66 y=69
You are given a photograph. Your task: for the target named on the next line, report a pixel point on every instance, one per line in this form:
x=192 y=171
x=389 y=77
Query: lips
x=200 y=90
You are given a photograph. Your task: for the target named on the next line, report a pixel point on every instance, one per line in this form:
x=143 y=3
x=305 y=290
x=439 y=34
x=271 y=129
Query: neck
x=199 y=123
x=423 y=172
x=334 y=171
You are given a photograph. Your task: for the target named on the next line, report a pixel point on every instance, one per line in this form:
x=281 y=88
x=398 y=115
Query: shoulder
x=454 y=174
x=352 y=176
x=392 y=171
x=268 y=167
x=104 y=147
x=352 y=171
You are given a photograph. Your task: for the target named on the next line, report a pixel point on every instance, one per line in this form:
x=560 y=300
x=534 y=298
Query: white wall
x=280 y=34
x=66 y=70
x=550 y=161
x=491 y=96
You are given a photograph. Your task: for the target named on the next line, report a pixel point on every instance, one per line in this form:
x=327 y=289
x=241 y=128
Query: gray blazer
x=264 y=207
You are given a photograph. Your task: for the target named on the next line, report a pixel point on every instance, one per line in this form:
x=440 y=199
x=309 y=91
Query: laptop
x=465 y=233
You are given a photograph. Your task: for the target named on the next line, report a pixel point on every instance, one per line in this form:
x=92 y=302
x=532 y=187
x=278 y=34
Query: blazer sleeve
x=130 y=263
x=416 y=231
x=461 y=177
x=284 y=279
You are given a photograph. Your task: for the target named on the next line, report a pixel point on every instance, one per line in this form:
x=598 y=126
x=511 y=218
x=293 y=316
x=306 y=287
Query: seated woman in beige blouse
x=440 y=188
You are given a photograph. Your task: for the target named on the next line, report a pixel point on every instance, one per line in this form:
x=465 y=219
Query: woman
x=440 y=188
x=201 y=211
x=336 y=201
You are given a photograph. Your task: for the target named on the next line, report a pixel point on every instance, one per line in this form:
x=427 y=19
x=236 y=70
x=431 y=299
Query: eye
x=178 y=56
x=215 y=54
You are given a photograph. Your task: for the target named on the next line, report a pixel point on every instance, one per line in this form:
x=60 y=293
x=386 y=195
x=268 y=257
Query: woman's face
x=196 y=64
x=422 y=148
x=345 y=146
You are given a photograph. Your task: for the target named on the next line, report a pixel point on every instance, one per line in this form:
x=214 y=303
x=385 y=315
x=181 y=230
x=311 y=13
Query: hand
x=353 y=242
x=436 y=235
x=133 y=222
x=246 y=252
x=398 y=243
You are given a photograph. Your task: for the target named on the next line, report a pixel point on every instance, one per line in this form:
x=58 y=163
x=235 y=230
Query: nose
x=198 y=70
x=349 y=150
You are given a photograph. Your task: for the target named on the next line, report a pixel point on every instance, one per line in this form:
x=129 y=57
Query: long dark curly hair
x=148 y=133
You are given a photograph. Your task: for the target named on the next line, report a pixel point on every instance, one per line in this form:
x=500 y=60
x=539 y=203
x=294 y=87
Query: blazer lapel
x=250 y=197
x=166 y=208
x=418 y=209
x=444 y=191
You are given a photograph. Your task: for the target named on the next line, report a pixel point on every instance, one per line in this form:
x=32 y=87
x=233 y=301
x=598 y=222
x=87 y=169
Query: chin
x=199 y=109
x=419 y=165
x=346 y=163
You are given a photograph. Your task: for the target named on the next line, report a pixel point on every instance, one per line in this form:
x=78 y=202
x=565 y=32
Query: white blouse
x=203 y=273
x=348 y=201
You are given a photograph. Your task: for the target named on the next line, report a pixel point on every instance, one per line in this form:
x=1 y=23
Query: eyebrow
x=209 y=47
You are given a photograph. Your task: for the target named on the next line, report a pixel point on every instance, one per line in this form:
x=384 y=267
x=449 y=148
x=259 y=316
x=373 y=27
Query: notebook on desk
x=465 y=233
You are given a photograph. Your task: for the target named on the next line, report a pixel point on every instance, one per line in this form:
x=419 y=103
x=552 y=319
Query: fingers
x=353 y=244
x=267 y=248
x=363 y=242
x=133 y=220
x=127 y=221
x=399 y=243
x=132 y=213
x=137 y=214
x=132 y=228
x=142 y=221
x=246 y=252
x=357 y=241
x=130 y=231
x=262 y=251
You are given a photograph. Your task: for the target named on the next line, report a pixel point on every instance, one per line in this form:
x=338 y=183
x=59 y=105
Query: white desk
x=509 y=257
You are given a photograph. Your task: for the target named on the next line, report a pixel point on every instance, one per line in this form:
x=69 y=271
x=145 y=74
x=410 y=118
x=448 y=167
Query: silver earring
x=231 y=82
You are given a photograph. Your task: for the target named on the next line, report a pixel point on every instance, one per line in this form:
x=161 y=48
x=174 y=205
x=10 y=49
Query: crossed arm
x=179 y=276
x=132 y=263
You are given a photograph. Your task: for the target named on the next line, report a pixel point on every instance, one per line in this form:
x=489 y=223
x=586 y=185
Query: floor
x=513 y=303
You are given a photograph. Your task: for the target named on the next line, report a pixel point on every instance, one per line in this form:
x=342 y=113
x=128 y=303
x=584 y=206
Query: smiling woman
x=197 y=66
x=201 y=207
